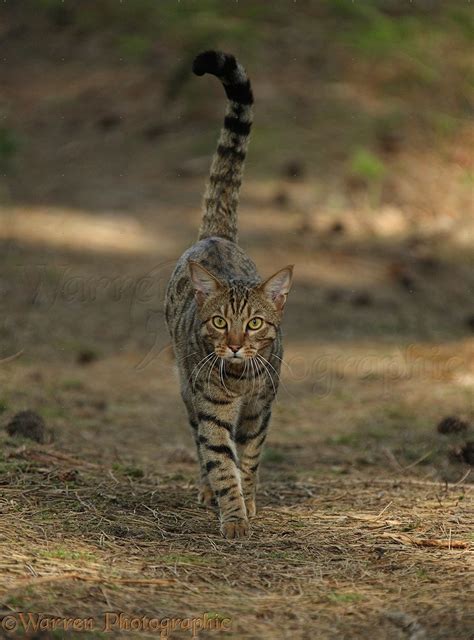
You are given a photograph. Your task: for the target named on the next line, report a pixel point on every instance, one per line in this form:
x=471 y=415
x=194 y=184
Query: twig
x=413 y=464
x=73 y=575
x=462 y=479
x=13 y=357
x=427 y=542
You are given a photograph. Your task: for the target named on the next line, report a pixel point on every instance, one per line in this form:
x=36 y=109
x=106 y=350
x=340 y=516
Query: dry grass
x=327 y=559
x=322 y=555
x=365 y=523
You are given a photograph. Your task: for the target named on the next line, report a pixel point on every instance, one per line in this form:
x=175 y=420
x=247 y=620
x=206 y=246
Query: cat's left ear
x=204 y=283
x=277 y=287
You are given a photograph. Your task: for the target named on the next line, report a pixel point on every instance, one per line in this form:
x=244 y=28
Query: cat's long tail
x=222 y=193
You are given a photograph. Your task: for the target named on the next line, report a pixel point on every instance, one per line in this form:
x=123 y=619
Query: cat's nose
x=234 y=347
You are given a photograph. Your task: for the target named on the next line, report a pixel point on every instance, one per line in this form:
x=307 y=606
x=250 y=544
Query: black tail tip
x=213 y=62
x=207 y=62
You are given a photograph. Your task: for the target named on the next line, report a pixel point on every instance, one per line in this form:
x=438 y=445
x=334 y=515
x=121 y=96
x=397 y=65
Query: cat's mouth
x=235 y=358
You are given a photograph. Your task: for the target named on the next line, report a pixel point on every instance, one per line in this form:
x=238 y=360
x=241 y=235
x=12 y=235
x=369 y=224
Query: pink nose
x=234 y=347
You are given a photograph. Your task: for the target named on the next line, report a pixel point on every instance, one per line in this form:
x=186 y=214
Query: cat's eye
x=255 y=323
x=219 y=322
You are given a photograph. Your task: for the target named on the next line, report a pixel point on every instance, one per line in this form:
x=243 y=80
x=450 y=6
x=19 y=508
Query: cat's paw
x=206 y=496
x=251 y=507
x=235 y=529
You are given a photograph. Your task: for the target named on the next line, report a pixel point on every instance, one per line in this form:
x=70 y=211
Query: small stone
x=470 y=322
x=86 y=356
x=400 y=273
x=109 y=121
x=388 y=141
x=337 y=228
x=335 y=295
x=407 y=282
x=429 y=264
x=68 y=475
x=281 y=199
x=153 y=132
x=294 y=170
x=27 y=424
x=467 y=453
x=379 y=551
x=452 y=424
x=362 y=299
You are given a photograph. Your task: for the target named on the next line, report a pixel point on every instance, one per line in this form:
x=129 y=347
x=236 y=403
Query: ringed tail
x=221 y=197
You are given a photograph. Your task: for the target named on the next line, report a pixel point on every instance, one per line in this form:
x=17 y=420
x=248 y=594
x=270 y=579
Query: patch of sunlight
x=465 y=380
x=340 y=270
x=441 y=362
x=304 y=210
x=76 y=229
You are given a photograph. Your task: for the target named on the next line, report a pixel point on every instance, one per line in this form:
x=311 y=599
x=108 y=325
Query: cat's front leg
x=205 y=495
x=250 y=437
x=219 y=455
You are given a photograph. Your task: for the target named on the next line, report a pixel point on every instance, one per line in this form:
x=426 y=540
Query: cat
x=224 y=323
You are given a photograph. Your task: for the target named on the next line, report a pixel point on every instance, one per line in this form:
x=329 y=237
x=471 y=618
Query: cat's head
x=239 y=320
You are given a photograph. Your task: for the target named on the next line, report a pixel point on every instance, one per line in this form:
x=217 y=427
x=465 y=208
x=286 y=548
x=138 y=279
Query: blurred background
x=360 y=171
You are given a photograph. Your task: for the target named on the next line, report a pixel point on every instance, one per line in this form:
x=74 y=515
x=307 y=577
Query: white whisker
x=278 y=375
x=270 y=364
x=274 y=355
x=243 y=371
x=209 y=375
x=252 y=362
x=203 y=361
x=262 y=361
x=187 y=356
x=221 y=372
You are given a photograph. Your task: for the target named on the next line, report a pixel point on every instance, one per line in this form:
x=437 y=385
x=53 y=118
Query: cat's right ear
x=204 y=283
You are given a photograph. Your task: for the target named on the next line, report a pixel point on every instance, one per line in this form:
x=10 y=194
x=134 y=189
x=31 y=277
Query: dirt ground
x=365 y=522
x=365 y=508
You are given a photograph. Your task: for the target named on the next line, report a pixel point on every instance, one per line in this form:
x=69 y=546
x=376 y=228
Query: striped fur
x=222 y=194
x=228 y=374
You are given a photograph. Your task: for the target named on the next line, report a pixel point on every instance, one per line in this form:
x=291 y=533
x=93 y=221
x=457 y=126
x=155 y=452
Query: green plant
x=9 y=145
x=273 y=455
x=366 y=165
x=347 y=597
x=135 y=47
x=129 y=470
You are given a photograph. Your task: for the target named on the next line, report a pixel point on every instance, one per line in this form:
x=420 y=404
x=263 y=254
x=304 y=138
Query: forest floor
x=365 y=509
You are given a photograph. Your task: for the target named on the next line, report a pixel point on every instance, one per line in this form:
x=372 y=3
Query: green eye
x=255 y=323
x=219 y=322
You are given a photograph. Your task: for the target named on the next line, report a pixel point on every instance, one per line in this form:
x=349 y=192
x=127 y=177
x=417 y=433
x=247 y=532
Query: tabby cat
x=224 y=323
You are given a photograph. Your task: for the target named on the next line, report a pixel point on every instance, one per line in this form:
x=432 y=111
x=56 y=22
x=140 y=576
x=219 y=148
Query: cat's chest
x=247 y=382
